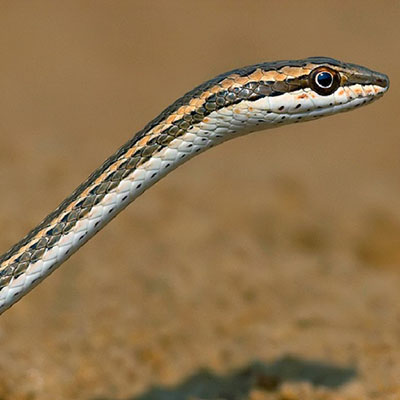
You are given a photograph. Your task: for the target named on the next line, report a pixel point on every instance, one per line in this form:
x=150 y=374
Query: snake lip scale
x=244 y=100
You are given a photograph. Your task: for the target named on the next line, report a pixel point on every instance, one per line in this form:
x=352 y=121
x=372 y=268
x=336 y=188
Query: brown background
x=272 y=261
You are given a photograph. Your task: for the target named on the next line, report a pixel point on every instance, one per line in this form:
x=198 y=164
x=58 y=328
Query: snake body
x=253 y=98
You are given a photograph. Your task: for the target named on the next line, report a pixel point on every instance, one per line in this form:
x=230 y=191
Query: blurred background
x=267 y=268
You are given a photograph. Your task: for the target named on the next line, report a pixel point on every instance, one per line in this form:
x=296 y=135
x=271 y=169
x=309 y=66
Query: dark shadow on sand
x=238 y=384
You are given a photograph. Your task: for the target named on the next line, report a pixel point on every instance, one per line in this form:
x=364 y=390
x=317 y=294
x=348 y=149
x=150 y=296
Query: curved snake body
x=244 y=100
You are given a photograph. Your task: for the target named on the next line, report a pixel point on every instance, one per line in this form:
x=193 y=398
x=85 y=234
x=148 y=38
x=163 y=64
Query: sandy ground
x=266 y=269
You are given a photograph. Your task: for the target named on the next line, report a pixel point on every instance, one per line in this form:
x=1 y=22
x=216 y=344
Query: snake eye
x=324 y=80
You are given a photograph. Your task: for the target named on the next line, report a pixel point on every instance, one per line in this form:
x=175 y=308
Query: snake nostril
x=383 y=81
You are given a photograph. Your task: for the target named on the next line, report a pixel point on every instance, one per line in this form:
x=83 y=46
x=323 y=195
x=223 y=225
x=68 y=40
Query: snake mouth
x=382 y=80
x=322 y=110
x=305 y=102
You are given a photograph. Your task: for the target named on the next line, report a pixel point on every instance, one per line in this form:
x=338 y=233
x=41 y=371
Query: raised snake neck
x=253 y=98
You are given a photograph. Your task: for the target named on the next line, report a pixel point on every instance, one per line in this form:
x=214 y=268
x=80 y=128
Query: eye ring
x=324 y=80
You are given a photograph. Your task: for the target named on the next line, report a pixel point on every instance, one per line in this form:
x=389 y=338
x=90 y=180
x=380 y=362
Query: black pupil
x=324 y=79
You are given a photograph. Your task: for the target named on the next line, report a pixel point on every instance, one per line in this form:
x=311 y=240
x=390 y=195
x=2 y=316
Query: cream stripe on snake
x=241 y=101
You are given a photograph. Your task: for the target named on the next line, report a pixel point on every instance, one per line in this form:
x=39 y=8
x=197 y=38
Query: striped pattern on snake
x=244 y=100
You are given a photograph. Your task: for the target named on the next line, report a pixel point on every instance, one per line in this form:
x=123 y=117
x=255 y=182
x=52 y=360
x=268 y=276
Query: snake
x=244 y=100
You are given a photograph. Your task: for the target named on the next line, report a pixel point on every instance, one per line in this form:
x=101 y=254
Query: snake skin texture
x=253 y=98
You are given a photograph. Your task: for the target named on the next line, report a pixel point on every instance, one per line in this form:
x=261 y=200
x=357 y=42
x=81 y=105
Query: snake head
x=300 y=90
